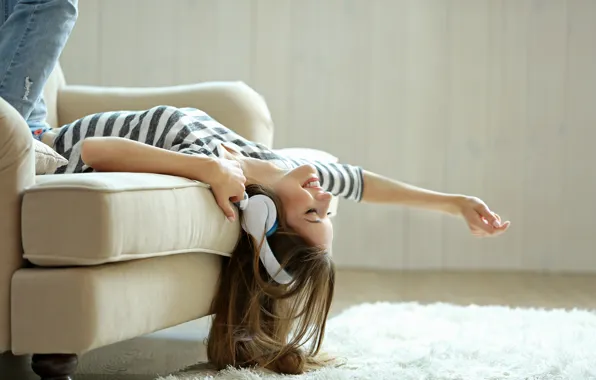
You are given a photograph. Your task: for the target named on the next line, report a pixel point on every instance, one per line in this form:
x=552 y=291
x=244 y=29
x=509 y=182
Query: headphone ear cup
x=267 y=210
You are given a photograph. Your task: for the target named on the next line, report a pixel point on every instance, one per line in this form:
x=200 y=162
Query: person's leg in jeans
x=32 y=36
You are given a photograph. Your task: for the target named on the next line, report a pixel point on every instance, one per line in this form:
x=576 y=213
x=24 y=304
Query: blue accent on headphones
x=272 y=229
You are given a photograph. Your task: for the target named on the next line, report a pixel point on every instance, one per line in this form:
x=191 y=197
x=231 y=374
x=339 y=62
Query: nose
x=324 y=201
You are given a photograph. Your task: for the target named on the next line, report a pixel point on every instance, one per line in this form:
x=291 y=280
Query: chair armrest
x=17 y=172
x=233 y=104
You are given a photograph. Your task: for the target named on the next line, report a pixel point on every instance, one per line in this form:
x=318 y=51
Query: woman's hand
x=480 y=219
x=227 y=183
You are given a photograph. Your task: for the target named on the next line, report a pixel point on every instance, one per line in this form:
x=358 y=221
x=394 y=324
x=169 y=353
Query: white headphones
x=259 y=219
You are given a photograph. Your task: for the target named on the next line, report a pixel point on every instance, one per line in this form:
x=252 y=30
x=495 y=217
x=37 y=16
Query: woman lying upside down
x=276 y=289
x=280 y=276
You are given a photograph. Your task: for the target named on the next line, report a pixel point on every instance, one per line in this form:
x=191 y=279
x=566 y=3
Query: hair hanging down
x=259 y=322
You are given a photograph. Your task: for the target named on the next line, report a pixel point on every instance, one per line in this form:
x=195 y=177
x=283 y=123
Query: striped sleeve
x=341 y=180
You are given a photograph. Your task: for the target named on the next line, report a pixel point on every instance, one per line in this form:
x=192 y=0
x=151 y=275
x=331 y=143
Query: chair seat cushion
x=96 y=218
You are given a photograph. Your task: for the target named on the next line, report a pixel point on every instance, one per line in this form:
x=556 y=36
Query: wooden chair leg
x=54 y=366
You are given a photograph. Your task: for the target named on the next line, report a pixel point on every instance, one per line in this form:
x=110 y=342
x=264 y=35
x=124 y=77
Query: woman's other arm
x=115 y=154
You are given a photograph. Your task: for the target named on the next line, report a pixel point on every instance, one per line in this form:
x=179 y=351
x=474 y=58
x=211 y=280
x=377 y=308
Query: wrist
x=200 y=168
x=454 y=203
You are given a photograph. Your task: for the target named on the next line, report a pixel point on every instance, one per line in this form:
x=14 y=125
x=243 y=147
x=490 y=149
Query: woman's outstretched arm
x=355 y=183
x=480 y=219
x=380 y=189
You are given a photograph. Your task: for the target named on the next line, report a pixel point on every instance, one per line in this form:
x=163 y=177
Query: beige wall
x=491 y=98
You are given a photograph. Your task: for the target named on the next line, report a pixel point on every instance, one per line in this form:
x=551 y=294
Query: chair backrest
x=51 y=91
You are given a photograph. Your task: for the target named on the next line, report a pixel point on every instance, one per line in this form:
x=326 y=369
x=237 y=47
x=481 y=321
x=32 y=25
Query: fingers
x=226 y=207
x=238 y=195
x=478 y=232
x=489 y=216
x=503 y=228
x=224 y=199
x=480 y=224
x=229 y=187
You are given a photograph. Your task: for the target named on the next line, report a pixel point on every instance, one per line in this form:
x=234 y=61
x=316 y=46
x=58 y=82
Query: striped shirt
x=190 y=131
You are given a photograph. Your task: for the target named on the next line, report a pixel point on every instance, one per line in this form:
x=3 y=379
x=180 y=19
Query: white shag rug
x=440 y=341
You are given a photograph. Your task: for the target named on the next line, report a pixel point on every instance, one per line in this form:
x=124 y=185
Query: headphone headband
x=259 y=219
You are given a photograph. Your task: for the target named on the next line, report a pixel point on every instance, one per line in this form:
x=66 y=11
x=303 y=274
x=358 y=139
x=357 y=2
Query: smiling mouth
x=312 y=183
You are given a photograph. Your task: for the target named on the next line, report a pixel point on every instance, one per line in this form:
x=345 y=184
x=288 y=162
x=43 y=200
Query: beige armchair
x=87 y=260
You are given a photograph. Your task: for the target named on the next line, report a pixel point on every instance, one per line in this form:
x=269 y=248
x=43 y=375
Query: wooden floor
x=166 y=351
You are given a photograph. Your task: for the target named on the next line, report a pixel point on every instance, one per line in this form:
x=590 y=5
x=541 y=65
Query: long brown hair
x=258 y=322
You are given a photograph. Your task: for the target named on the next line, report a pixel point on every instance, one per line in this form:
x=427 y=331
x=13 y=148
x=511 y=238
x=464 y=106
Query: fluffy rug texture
x=440 y=341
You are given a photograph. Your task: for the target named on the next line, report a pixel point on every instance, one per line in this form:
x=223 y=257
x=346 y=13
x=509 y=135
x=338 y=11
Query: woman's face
x=306 y=205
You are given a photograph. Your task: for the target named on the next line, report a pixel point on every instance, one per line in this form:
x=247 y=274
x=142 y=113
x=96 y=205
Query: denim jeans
x=32 y=36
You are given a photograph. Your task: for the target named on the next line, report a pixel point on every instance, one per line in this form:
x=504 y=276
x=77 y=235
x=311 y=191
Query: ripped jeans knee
x=28 y=84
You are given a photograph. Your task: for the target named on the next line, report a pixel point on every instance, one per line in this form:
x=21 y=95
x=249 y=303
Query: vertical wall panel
x=544 y=137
